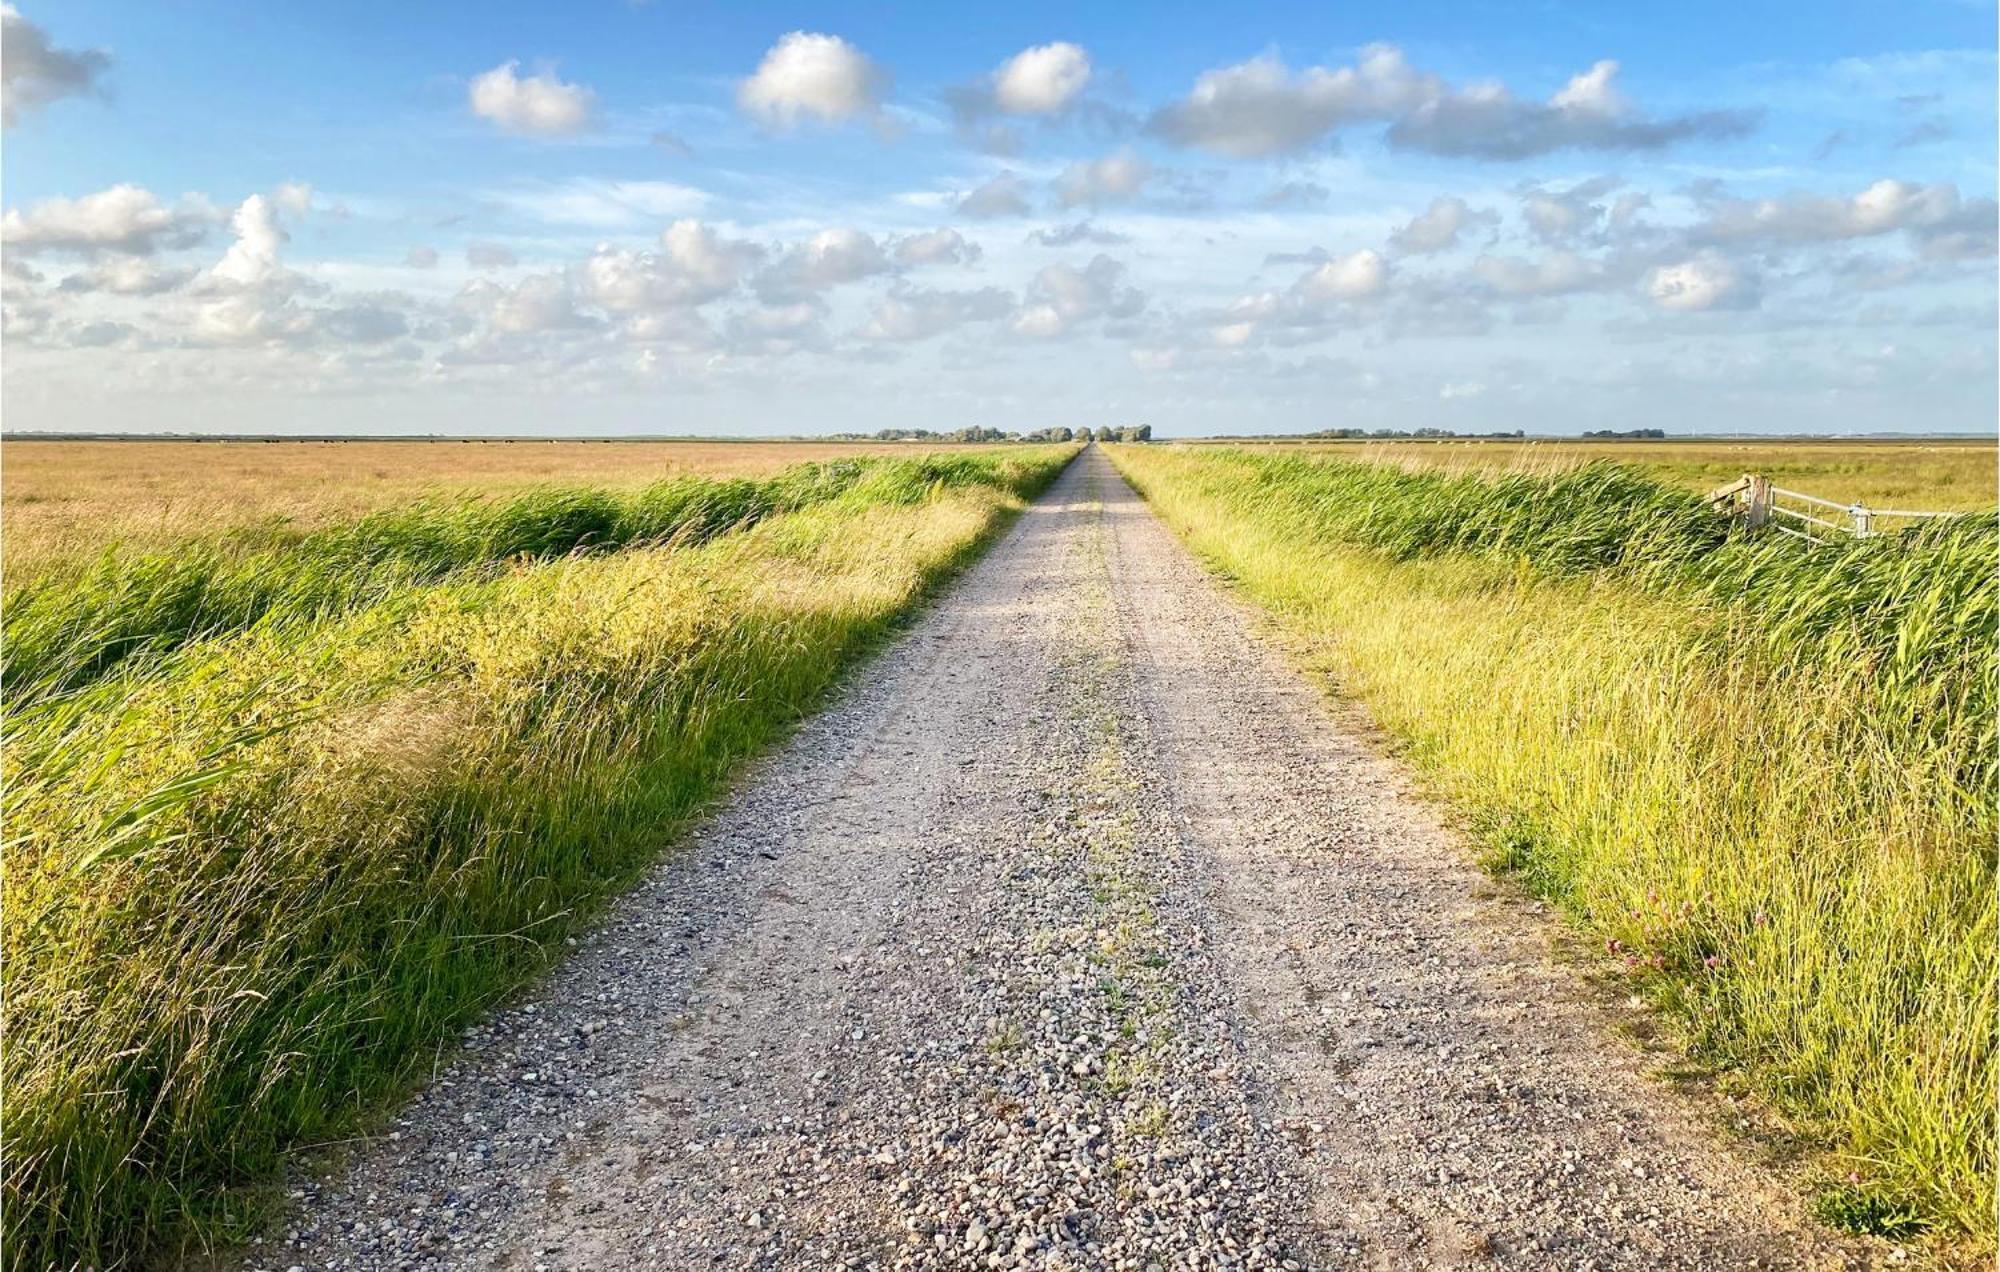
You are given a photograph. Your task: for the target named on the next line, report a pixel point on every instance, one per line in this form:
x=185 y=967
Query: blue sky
x=616 y=217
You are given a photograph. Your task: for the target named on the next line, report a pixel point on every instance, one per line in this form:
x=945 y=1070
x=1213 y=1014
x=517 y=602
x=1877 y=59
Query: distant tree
x=1083 y=435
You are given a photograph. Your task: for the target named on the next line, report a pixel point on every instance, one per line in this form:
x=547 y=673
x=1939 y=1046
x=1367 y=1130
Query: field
x=63 y=497
x=286 y=809
x=1942 y=476
x=1760 y=775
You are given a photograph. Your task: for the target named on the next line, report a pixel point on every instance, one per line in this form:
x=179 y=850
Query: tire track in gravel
x=1075 y=935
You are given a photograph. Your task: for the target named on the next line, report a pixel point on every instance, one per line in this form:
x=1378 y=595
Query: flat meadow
x=65 y=497
x=1758 y=774
x=300 y=781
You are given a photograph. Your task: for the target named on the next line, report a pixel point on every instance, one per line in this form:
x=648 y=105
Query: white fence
x=1760 y=503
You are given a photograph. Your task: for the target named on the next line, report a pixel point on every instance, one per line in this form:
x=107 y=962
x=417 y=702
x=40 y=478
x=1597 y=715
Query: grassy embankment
x=1937 y=476
x=356 y=788
x=1761 y=773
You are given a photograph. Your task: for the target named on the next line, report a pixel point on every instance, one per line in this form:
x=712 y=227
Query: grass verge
x=1761 y=774
x=253 y=884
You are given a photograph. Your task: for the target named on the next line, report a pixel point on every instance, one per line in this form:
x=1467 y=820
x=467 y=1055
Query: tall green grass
x=253 y=884
x=1762 y=773
x=74 y=622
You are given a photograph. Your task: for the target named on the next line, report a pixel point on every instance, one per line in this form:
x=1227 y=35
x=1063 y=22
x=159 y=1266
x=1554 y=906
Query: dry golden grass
x=1948 y=476
x=63 y=497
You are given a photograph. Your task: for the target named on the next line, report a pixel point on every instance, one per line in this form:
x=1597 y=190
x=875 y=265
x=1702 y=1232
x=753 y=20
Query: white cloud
x=807 y=76
x=252 y=260
x=1112 y=179
x=936 y=247
x=1001 y=196
x=1356 y=276
x=827 y=259
x=1554 y=274
x=538 y=106
x=694 y=266
x=1260 y=107
x=1062 y=297
x=34 y=72
x=1882 y=208
x=1436 y=228
x=128 y=276
x=1486 y=121
x=1042 y=80
x=538 y=303
x=422 y=258
x=295 y=197
x=1707 y=281
x=915 y=313
x=124 y=218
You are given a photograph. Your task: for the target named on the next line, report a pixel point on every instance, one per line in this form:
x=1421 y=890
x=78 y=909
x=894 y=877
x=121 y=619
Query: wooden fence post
x=1757 y=509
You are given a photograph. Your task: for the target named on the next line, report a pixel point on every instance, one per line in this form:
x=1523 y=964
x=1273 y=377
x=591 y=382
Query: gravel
x=1079 y=934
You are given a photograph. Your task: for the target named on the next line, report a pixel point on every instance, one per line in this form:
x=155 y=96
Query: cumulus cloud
x=1436 y=228
x=538 y=106
x=936 y=247
x=1588 y=113
x=811 y=77
x=1883 y=208
x=1045 y=81
x=1113 y=179
x=1563 y=216
x=694 y=265
x=1553 y=274
x=914 y=313
x=1705 y=281
x=421 y=258
x=827 y=259
x=1260 y=107
x=295 y=197
x=1061 y=298
x=252 y=260
x=34 y=72
x=490 y=256
x=1002 y=196
x=1357 y=276
x=538 y=303
x=124 y=218
x=129 y=276
x=1041 y=80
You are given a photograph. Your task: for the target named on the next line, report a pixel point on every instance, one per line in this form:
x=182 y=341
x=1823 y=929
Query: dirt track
x=1079 y=934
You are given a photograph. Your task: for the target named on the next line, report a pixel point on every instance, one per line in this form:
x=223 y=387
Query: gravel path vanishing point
x=1079 y=934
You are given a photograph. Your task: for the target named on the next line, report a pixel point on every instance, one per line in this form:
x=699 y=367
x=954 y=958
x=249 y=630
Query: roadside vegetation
x=1760 y=774
x=1921 y=476
x=63 y=500
x=282 y=816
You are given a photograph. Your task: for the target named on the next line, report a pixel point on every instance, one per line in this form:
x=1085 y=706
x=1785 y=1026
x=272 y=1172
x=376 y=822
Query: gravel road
x=1081 y=933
